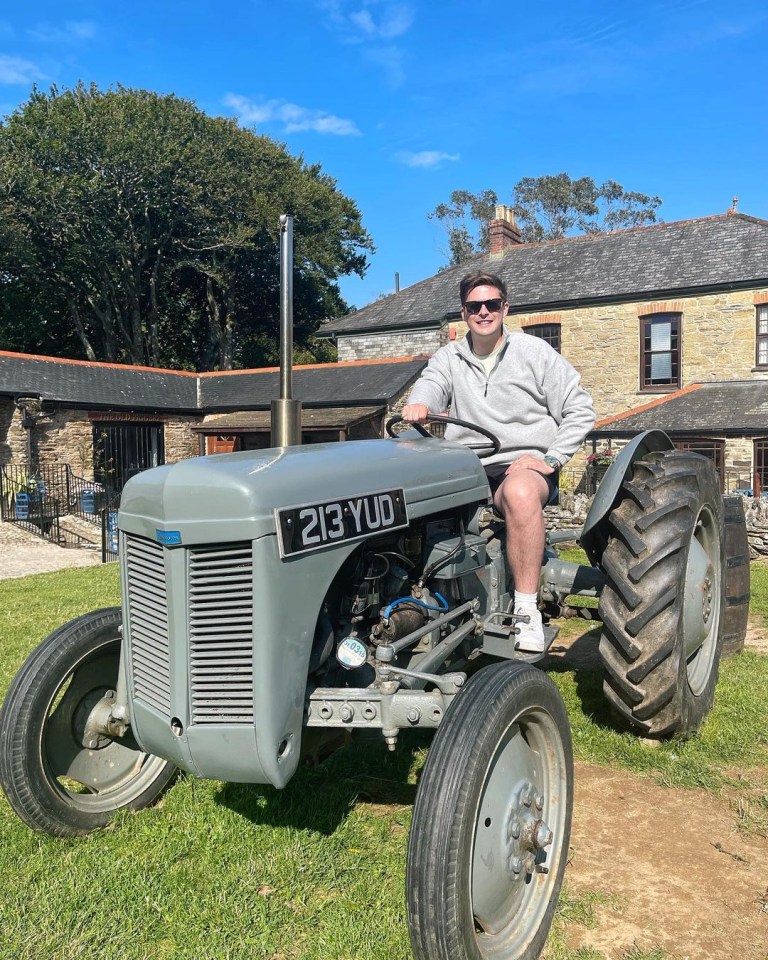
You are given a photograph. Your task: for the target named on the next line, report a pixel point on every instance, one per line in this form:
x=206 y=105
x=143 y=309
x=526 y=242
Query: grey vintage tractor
x=273 y=599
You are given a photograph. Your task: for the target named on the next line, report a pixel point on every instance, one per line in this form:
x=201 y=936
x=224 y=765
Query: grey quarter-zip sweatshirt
x=532 y=400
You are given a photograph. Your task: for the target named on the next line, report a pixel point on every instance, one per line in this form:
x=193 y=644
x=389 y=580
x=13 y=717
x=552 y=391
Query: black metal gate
x=121 y=450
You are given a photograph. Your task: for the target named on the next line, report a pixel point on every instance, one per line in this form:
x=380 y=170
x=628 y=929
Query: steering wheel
x=492 y=440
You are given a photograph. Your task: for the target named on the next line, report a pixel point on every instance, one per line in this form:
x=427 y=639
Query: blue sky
x=403 y=101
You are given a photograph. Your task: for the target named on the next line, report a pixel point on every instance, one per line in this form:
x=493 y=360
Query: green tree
x=466 y=218
x=546 y=208
x=146 y=231
x=552 y=207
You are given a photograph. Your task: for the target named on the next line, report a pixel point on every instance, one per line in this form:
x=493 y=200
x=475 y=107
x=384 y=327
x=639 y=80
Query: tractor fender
x=595 y=534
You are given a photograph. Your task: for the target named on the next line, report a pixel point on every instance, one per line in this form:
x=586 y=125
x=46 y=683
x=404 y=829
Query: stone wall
x=180 y=442
x=381 y=346
x=13 y=439
x=67 y=437
x=756 y=515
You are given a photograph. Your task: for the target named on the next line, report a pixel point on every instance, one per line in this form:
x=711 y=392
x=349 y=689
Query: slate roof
x=728 y=251
x=311 y=417
x=78 y=382
x=117 y=386
x=329 y=384
x=723 y=408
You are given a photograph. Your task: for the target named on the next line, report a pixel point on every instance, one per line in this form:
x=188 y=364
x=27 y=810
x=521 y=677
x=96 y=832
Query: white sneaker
x=530 y=632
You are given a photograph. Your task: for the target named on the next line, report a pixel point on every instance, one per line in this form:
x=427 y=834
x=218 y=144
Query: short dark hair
x=480 y=279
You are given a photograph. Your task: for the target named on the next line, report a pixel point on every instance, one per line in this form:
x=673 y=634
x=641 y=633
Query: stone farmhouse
x=642 y=314
x=667 y=324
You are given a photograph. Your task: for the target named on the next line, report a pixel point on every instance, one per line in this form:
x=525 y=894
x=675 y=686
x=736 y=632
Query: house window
x=712 y=449
x=546 y=331
x=761 y=336
x=761 y=465
x=660 y=351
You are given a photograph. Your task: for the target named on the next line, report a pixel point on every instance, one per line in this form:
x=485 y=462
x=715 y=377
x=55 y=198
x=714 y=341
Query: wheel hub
x=526 y=832
x=89 y=718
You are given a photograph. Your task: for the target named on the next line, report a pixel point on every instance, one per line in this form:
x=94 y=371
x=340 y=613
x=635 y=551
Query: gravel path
x=22 y=553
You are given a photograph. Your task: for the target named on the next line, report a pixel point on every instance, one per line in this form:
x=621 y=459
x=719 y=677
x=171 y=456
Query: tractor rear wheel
x=662 y=605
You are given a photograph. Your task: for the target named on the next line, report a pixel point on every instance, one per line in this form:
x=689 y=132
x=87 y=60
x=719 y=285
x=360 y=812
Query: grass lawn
x=315 y=871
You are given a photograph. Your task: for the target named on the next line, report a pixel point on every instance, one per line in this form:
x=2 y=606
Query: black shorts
x=497 y=471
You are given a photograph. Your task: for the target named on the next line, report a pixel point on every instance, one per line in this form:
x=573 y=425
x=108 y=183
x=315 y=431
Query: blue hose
x=419 y=603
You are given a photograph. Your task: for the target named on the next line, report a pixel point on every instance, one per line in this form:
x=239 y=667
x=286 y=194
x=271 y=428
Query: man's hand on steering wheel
x=415 y=413
x=418 y=415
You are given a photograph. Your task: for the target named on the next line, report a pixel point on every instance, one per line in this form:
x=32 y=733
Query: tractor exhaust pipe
x=286 y=412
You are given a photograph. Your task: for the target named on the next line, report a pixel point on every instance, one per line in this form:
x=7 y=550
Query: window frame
x=676 y=352
x=713 y=448
x=761 y=339
x=551 y=328
x=759 y=464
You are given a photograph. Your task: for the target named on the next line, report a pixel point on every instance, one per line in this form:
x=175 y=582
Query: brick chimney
x=502 y=231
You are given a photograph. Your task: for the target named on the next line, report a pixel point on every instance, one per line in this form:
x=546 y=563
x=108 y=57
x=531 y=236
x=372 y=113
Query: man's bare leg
x=520 y=499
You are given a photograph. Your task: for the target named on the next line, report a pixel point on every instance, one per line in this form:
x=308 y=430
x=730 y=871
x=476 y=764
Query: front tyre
x=662 y=606
x=58 y=775
x=492 y=821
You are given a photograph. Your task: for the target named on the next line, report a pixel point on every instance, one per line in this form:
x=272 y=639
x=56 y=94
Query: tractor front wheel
x=491 y=822
x=59 y=773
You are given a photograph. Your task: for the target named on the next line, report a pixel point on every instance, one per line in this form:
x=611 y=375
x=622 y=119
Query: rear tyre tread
x=642 y=645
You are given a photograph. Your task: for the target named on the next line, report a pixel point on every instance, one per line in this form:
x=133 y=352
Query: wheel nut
x=542 y=836
x=516 y=864
x=526 y=794
x=539 y=802
x=514 y=829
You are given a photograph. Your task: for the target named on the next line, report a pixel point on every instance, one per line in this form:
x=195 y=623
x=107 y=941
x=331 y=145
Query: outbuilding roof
x=324 y=384
x=117 y=386
x=718 y=409
x=79 y=382
x=724 y=252
x=312 y=418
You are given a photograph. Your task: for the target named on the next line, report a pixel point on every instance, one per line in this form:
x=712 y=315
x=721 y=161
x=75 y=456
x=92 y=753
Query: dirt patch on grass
x=679 y=873
x=676 y=869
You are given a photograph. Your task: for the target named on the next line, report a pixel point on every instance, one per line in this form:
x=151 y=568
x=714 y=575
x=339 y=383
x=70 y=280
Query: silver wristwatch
x=553 y=462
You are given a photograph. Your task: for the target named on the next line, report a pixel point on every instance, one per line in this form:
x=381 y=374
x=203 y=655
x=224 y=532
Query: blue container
x=88 y=501
x=22 y=506
x=112 y=532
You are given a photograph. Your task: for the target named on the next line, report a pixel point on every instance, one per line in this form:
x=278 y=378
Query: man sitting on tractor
x=525 y=392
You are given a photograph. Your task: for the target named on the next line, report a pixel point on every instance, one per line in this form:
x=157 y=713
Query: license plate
x=316 y=525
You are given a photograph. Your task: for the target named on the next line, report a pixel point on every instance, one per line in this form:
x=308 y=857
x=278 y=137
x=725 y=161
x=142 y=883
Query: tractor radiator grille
x=148 y=613
x=221 y=634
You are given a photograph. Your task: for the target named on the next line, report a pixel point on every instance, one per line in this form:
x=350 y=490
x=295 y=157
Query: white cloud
x=426 y=158
x=294 y=119
x=373 y=25
x=16 y=70
x=71 y=30
x=368 y=20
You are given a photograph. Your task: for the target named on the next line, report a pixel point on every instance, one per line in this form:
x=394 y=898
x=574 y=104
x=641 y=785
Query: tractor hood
x=235 y=496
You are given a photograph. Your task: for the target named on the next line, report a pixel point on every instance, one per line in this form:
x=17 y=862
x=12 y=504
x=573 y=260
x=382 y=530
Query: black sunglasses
x=475 y=306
